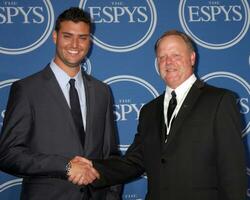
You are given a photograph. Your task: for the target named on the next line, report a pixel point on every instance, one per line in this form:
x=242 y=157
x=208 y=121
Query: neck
x=73 y=71
x=70 y=70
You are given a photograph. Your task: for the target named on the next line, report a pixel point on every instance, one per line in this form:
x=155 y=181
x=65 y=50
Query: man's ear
x=193 y=57
x=54 y=36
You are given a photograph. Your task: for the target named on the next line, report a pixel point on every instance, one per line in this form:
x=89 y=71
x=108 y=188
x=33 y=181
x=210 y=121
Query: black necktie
x=171 y=106
x=76 y=109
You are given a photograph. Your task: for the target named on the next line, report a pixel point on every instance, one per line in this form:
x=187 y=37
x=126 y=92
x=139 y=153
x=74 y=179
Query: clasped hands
x=82 y=171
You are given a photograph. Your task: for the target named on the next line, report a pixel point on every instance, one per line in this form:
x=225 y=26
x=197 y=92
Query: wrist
x=68 y=168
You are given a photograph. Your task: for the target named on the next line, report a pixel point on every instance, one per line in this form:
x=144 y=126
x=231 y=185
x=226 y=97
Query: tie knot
x=72 y=82
x=173 y=94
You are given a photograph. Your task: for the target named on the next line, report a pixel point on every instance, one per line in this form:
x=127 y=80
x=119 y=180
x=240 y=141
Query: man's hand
x=82 y=171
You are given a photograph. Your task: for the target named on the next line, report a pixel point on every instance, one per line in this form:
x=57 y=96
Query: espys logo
x=130 y=94
x=113 y=19
x=225 y=21
x=237 y=84
x=4 y=93
x=248 y=173
x=156 y=67
x=33 y=20
x=86 y=65
x=9 y=184
x=249 y=60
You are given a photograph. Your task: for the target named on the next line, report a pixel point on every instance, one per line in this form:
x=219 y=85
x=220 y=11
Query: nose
x=75 y=42
x=168 y=60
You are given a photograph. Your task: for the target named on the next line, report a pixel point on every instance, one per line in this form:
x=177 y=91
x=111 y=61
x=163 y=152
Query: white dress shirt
x=181 y=93
x=63 y=80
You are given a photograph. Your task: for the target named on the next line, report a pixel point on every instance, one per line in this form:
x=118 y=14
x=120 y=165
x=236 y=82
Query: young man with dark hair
x=57 y=114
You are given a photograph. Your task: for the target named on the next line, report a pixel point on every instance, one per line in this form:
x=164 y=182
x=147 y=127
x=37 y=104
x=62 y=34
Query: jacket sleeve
x=117 y=170
x=110 y=146
x=15 y=155
x=230 y=150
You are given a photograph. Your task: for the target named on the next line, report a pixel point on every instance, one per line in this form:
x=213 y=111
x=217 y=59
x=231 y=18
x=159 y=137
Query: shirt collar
x=183 y=88
x=62 y=77
x=78 y=78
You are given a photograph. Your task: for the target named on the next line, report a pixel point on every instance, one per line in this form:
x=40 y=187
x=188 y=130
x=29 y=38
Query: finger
x=90 y=177
x=91 y=172
x=84 y=160
x=81 y=181
x=85 y=182
x=76 y=179
x=95 y=173
x=87 y=176
x=76 y=159
x=71 y=177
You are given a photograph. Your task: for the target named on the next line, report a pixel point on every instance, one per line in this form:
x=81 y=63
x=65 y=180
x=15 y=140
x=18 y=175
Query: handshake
x=81 y=171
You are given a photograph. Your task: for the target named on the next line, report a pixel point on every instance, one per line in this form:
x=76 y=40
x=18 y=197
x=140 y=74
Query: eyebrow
x=67 y=33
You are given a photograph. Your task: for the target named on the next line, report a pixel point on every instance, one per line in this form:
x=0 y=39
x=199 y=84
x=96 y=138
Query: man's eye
x=84 y=38
x=161 y=58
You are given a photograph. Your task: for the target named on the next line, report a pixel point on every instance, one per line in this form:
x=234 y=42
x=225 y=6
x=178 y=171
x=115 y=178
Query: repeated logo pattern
x=123 y=55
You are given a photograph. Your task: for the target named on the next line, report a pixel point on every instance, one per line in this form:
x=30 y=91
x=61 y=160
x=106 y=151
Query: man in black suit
x=57 y=114
x=188 y=139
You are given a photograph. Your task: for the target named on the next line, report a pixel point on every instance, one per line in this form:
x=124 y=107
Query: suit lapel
x=185 y=109
x=54 y=89
x=161 y=119
x=157 y=120
x=89 y=93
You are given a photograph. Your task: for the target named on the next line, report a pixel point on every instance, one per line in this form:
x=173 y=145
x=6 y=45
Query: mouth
x=171 y=70
x=73 y=52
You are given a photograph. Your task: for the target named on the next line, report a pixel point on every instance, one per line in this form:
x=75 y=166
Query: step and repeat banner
x=123 y=55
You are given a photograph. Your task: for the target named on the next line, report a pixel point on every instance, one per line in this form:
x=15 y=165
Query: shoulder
x=153 y=104
x=97 y=87
x=214 y=91
x=92 y=81
x=30 y=81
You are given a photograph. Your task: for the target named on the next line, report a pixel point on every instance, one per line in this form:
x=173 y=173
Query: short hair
x=74 y=14
x=189 y=42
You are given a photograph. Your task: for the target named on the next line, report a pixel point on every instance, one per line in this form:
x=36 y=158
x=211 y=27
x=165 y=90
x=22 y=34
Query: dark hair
x=189 y=42
x=74 y=14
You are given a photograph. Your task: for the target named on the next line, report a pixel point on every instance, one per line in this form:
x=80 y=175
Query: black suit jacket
x=203 y=158
x=39 y=136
